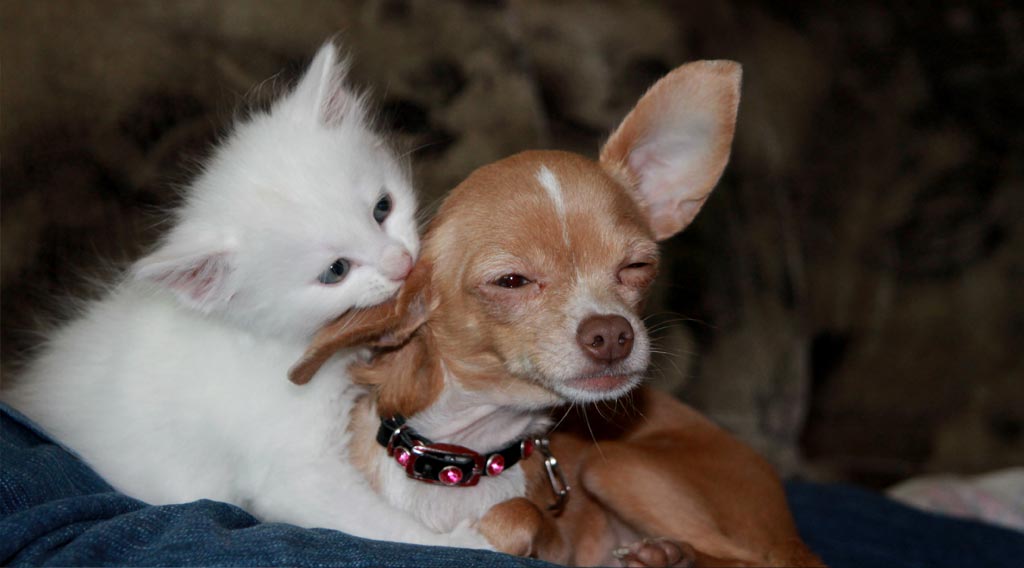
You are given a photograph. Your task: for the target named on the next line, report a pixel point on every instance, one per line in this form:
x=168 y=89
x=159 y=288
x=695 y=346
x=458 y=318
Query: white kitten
x=174 y=387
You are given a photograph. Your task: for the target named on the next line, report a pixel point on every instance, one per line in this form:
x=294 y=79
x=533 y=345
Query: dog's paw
x=514 y=527
x=466 y=535
x=656 y=553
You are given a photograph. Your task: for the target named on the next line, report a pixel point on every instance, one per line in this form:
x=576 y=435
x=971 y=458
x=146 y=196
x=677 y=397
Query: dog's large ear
x=673 y=146
x=385 y=325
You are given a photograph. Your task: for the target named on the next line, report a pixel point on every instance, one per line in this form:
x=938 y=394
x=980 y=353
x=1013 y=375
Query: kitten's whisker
x=417 y=149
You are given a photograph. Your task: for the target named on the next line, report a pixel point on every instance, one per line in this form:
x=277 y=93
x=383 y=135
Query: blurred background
x=851 y=300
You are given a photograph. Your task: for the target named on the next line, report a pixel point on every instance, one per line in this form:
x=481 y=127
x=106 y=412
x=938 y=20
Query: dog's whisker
x=659 y=351
x=586 y=420
x=662 y=326
x=678 y=318
x=612 y=406
x=659 y=319
x=562 y=419
x=658 y=368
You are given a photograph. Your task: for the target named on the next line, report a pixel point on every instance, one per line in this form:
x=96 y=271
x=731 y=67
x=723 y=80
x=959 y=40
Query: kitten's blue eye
x=335 y=272
x=382 y=209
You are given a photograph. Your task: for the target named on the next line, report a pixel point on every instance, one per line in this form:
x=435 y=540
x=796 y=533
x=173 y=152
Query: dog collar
x=446 y=464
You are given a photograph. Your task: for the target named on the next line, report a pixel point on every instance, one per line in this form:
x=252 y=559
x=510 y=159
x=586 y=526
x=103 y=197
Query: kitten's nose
x=605 y=338
x=396 y=264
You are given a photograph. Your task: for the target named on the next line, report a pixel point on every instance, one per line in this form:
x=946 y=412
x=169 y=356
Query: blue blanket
x=54 y=510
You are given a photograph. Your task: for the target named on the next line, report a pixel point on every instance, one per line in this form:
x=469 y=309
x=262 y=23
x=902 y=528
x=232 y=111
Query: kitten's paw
x=657 y=552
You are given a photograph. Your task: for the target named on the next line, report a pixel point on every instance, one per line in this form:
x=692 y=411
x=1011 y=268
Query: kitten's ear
x=673 y=146
x=385 y=325
x=198 y=276
x=321 y=93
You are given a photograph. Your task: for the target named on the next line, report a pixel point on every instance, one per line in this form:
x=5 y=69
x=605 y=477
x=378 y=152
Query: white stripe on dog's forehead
x=553 y=187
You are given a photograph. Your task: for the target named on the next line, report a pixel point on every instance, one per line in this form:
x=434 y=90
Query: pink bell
x=526 y=448
x=450 y=475
x=402 y=456
x=495 y=464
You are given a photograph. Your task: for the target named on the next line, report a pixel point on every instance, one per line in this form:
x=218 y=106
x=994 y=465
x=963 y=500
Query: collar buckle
x=445 y=464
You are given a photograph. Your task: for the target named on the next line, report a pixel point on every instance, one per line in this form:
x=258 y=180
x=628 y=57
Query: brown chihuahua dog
x=527 y=297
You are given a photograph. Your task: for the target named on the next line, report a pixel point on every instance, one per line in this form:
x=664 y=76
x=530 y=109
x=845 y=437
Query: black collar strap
x=445 y=464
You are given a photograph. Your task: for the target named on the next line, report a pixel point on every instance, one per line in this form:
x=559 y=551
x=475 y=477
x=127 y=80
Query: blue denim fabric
x=54 y=510
x=851 y=527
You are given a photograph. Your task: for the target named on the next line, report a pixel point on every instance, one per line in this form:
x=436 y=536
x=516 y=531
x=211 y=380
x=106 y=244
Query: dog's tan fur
x=656 y=467
x=583 y=236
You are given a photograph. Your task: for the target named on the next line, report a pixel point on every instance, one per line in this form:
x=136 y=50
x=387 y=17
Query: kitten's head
x=302 y=213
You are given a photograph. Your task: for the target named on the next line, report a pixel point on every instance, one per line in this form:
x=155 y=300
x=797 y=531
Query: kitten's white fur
x=174 y=387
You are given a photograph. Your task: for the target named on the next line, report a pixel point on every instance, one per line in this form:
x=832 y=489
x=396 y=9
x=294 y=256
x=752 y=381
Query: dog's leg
x=700 y=486
x=657 y=552
x=519 y=527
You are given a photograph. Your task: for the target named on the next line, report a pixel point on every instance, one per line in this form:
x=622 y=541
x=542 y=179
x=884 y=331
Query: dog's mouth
x=602 y=385
x=575 y=379
x=602 y=382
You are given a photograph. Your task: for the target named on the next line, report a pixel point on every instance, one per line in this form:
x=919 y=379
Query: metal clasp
x=555 y=478
x=395 y=434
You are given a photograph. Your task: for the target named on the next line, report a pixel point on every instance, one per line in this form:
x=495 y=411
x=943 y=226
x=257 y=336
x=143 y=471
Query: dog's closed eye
x=512 y=281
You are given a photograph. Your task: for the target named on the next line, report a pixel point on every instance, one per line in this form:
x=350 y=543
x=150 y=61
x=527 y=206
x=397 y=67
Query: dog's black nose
x=605 y=338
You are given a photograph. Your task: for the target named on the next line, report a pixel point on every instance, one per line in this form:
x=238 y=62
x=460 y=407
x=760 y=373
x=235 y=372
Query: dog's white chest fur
x=469 y=420
x=442 y=508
